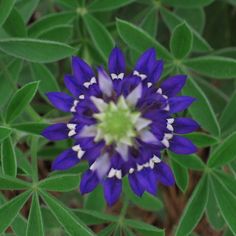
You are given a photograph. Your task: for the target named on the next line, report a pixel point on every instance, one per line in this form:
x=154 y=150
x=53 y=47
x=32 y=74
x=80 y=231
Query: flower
x=120 y=123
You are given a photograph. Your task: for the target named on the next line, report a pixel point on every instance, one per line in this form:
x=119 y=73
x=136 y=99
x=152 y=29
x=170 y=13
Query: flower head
x=120 y=123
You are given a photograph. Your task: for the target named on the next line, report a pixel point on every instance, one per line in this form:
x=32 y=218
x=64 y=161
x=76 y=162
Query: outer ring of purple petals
x=144 y=166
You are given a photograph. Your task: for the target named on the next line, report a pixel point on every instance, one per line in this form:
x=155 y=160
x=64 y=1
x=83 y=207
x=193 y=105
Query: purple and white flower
x=120 y=123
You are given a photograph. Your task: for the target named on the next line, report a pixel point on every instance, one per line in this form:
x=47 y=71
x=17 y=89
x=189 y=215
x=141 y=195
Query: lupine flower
x=120 y=123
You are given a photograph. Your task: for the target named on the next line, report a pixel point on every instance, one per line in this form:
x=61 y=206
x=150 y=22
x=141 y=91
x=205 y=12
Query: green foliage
x=37 y=40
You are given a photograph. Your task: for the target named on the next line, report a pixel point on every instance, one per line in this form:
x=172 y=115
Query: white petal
x=156 y=159
x=111 y=173
x=71 y=133
x=165 y=142
x=149 y=84
x=122 y=149
x=81 y=96
x=131 y=170
x=88 y=131
x=170 y=127
x=142 y=123
x=134 y=96
x=105 y=83
x=148 y=137
x=99 y=103
x=71 y=126
x=159 y=91
x=170 y=120
x=118 y=174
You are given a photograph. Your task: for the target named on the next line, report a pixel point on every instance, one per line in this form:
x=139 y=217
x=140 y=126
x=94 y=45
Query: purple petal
x=112 y=190
x=173 y=85
x=185 y=125
x=73 y=85
x=81 y=70
x=148 y=180
x=61 y=101
x=116 y=62
x=146 y=61
x=157 y=71
x=181 y=103
x=181 y=145
x=164 y=174
x=65 y=160
x=135 y=184
x=88 y=182
x=56 y=132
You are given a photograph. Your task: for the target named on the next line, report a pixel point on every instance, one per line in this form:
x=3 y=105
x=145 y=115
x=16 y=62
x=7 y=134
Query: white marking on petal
x=105 y=83
x=71 y=126
x=156 y=159
x=71 y=133
x=149 y=84
x=146 y=165
x=165 y=142
x=117 y=76
x=159 y=91
x=118 y=174
x=167 y=108
x=122 y=149
x=131 y=170
x=168 y=136
x=151 y=163
x=139 y=167
x=88 y=131
x=89 y=83
x=111 y=173
x=79 y=151
x=101 y=165
x=81 y=96
x=142 y=123
x=99 y=103
x=142 y=76
x=148 y=137
x=170 y=127
x=164 y=96
x=134 y=96
x=73 y=108
x=170 y=120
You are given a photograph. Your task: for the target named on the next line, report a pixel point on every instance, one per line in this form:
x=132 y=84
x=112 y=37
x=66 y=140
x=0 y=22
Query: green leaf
x=14 y=25
x=149 y=22
x=30 y=128
x=5 y=9
x=188 y=161
x=181 y=41
x=100 y=35
x=10 y=183
x=10 y=209
x=4 y=133
x=227 y=119
x=201 y=139
x=130 y=33
x=20 y=100
x=49 y=21
x=107 y=5
x=35 y=50
x=8 y=158
x=19 y=225
x=213 y=66
x=35 y=223
x=226 y=202
x=26 y=8
x=224 y=152
x=213 y=212
x=201 y=106
x=187 y=3
x=194 y=210
x=146 y=202
x=48 y=82
x=108 y=230
x=59 y=33
x=144 y=228
x=194 y=16
x=181 y=175
x=61 y=183
x=66 y=218
x=172 y=20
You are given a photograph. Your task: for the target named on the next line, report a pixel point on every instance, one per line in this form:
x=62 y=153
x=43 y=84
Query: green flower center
x=116 y=123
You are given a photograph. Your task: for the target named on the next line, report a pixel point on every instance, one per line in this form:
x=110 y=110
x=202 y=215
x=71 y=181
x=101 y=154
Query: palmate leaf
x=35 y=223
x=100 y=35
x=107 y=5
x=36 y=50
x=61 y=183
x=130 y=33
x=10 y=209
x=194 y=209
x=10 y=183
x=187 y=3
x=66 y=218
x=8 y=158
x=4 y=132
x=20 y=100
x=224 y=153
x=226 y=202
x=181 y=41
x=5 y=9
